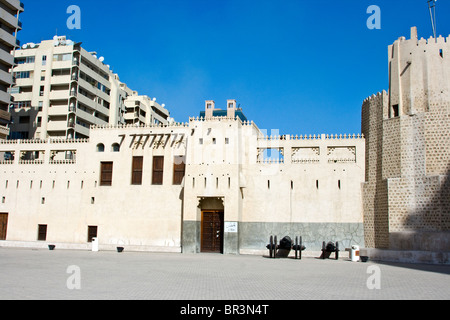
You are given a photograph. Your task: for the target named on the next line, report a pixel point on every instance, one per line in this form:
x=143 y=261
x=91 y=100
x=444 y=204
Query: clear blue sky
x=297 y=66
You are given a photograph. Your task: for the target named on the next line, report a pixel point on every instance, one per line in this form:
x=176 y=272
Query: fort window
x=395 y=111
x=115 y=147
x=214 y=140
x=92 y=233
x=179 y=169
x=158 y=169
x=106 y=170
x=42 y=232
x=200 y=141
x=292 y=185
x=100 y=147
x=268 y=184
x=92 y=200
x=339 y=184
x=227 y=140
x=136 y=170
x=441 y=53
x=6 y=184
x=3 y=199
x=43 y=200
x=317 y=184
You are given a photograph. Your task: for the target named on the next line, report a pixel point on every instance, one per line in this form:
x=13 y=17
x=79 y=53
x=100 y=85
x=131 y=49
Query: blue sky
x=297 y=66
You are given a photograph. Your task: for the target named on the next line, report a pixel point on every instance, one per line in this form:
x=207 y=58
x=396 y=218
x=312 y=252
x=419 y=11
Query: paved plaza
x=62 y=274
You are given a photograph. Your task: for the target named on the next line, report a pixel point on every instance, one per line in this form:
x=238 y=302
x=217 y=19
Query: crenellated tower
x=407 y=190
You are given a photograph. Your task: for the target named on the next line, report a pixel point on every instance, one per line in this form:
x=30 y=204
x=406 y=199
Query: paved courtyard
x=48 y=275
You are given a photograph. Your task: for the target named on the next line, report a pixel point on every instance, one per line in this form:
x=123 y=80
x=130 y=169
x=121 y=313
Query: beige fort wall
x=312 y=190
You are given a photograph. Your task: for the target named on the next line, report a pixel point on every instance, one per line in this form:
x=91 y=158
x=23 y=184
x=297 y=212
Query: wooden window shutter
x=136 y=174
x=92 y=232
x=106 y=171
x=179 y=168
x=42 y=232
x=158 y=169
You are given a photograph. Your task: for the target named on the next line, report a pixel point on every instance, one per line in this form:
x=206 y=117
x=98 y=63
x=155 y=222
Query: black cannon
x=329 y=248
x=280 y=250
x=285 y=246
x=272 y=246
x=298 y=247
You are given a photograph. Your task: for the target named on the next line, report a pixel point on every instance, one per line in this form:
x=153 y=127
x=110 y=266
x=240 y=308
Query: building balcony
x=57 y=126
x=15 y=5
x=4 y=115
x=59 y=95
x=61 y=80
x=10 y=20
x=57 y=111
x=6 y=77
x=5 y=98
x=8 y=38
x=4 y=132
x=82 y=130
x=6 y=58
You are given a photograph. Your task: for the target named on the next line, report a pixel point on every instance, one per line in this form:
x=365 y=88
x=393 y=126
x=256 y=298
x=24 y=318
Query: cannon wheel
x=275 y=247
x=296 y=246
x=300 y=248
x=271 y=246
x=337 y=250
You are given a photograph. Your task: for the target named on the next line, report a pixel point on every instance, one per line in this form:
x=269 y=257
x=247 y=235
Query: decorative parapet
x=312 y=137
x=31 y=161
x=69 y=161
x=69 y=140
x=270 y=161
x=39 y=141
x=130 y=126
x=375 y=96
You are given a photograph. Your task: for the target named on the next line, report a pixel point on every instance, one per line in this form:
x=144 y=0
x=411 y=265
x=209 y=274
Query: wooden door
x=3 y=225
x=212 y=231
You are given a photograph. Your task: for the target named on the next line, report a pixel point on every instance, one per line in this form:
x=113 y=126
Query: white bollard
x=354 y=253
x=94 y=245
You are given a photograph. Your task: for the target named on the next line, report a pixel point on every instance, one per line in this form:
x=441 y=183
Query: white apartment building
x=61 y=90
x=9 y=26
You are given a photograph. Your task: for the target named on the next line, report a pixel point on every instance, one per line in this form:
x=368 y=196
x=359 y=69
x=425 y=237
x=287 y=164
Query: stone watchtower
x=407 y=190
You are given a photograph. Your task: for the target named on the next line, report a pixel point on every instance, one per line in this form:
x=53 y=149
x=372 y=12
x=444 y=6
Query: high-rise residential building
x=61 y=90
x=9 y=26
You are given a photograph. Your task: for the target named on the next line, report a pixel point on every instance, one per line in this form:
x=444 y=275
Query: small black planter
x=364 y=258
x=51 y=247
x=119 y=249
